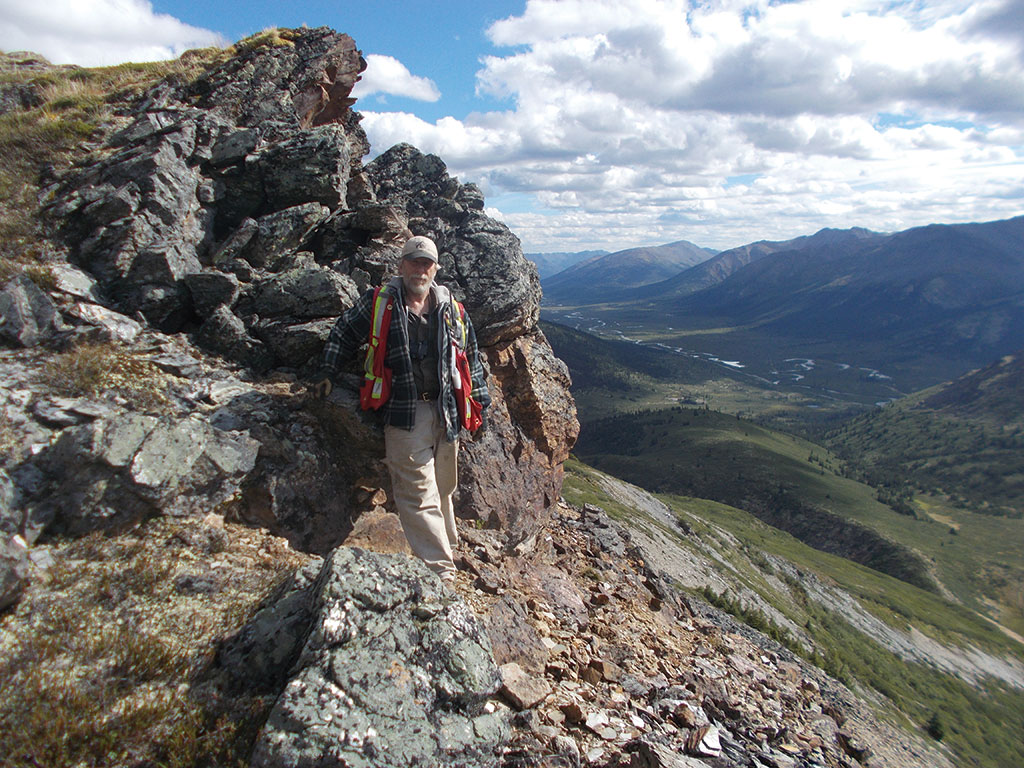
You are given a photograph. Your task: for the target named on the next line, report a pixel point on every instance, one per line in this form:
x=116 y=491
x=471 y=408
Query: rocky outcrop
x=234 y=214
x=377 y=665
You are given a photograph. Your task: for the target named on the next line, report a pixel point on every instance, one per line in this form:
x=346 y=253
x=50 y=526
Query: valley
x=883 y=543
x=831 y=384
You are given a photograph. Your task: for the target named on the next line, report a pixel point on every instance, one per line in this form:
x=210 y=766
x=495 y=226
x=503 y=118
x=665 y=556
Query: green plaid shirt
x=352 y=331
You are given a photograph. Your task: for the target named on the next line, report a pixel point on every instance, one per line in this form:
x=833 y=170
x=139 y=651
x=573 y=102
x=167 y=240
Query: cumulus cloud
x=97 y=32
x=387 y=75
x=639 y=121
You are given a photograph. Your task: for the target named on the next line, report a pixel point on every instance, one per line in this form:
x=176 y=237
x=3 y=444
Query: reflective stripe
x=376 y=350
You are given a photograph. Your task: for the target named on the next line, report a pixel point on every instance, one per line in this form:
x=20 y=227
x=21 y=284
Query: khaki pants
x=424 y=474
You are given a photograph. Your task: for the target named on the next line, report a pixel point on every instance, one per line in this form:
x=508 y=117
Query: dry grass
x=96 y=667
x=269 y=38
x=75 y=105
x=94 y=370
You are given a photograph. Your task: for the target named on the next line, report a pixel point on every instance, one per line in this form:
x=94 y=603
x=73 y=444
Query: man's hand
x=321 y=388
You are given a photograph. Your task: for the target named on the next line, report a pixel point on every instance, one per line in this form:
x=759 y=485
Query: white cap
x=420 y=247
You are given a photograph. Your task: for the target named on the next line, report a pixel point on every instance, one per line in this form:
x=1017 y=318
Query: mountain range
x=603 y=278
x=932 y=302
x=549 y=264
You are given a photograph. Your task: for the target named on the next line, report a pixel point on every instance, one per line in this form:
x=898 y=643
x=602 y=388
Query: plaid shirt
x=352 y=331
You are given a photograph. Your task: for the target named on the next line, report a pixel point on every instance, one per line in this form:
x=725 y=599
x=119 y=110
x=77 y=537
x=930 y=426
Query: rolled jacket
x=352 y=331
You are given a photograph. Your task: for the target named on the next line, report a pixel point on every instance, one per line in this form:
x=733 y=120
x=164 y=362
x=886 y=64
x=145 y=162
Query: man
x=422 y=415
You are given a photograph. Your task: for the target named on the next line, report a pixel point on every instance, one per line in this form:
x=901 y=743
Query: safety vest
x=470 y=411
x=376 y=387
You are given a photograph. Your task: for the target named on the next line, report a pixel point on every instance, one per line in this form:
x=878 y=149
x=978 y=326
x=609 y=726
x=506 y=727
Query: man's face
x=417 y=274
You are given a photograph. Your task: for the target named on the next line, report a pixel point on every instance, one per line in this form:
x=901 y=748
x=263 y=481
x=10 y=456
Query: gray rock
x=75 y=282
x=236 y=242
x=28 y=316
x=305 y=83
x=295 y=344
x=10 y=517
x=66 y=411
x=178 y=364
x=234 y=146
x=224 y=333
x=102 y=324
x=17 y=96
x=304 y=293
x=14 y=569
x=281 y=232
x=395 y=671
x=312 y=165
x=112 y=473
x=258 y=657
x=211 y=289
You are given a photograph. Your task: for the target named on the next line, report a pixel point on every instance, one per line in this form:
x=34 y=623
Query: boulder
x=75 y=282
x=104 y=325
x=211 y=289
x=112 y=473
x=295 y=344
x=312 y=465
x=390 y=669
x=310 y=166
x=304 y=293
x=281 y=232
x=28 y=316
x=225 y=334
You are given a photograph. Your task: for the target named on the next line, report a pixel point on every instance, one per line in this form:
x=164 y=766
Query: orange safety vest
x=376 y=387
x=470 y=411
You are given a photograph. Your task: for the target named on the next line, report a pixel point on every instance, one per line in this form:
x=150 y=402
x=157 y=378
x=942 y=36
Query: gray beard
x=414 y=288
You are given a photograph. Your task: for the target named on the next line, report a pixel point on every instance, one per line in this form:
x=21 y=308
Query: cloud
x=629 y=118
x=387 y=75
x=97 y=32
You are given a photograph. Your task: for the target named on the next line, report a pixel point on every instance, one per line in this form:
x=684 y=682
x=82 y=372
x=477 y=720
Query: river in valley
x=823 y=378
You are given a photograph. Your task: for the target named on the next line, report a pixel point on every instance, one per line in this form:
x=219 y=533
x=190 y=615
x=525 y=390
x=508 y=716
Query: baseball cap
x=420 y=247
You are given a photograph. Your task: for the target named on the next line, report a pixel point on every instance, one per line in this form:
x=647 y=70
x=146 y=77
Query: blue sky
x=617 y=123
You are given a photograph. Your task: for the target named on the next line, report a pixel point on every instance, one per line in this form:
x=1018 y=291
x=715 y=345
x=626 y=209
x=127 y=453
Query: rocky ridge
x=231 y=217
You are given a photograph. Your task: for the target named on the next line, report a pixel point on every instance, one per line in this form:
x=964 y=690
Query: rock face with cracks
x=234 y=212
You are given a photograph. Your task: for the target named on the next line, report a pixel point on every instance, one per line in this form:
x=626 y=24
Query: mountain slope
x=726 y=263
x=603 y=278
x=549 y=264
x=944 y=287
x=963 y=440
x=787 y=482
x=909 y=646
